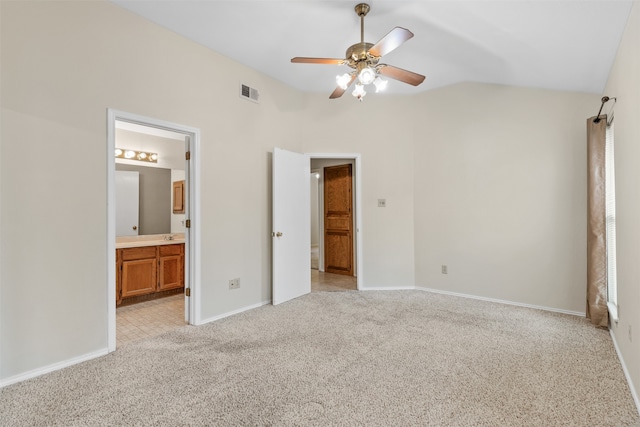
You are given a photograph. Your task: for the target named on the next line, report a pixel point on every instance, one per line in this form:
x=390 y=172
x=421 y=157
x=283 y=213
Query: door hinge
x=187 y=291
x=187 y=223
x=187 y=155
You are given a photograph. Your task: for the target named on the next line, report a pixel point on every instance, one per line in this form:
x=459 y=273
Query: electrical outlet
x=444 y=269
x=234 y=283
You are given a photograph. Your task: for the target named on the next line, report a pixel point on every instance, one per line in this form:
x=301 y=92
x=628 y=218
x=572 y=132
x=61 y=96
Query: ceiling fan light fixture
x=380 y=84
x=367 y=75
x=359 y=92
x=343 y=81
x=364 y=57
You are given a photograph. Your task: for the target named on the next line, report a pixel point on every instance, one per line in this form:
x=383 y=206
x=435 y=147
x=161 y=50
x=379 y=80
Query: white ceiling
x=565 y=45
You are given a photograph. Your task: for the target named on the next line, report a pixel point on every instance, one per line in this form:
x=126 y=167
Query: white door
x=127 y=203
x=291 y=226
x=187 y=235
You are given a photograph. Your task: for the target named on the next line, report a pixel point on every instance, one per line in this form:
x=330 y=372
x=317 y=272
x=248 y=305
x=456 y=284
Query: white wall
x=500 y=193
x=624 y=84
x=61 y=70
x=443 y=160
x=380 y=129
x=313 y=190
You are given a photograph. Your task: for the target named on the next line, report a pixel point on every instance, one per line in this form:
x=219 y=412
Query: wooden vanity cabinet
x=148 y=270
x=138 y=271
x=171 y=267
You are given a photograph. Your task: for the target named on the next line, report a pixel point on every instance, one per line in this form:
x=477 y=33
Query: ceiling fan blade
x=303 y=60
x=392 y=40
x=339 y=91
x=402 y=75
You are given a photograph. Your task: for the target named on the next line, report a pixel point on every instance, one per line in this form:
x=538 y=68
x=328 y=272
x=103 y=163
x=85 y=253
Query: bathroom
x=150 y=230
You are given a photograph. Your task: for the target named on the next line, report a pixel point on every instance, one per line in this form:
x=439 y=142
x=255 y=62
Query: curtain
x=596 y=223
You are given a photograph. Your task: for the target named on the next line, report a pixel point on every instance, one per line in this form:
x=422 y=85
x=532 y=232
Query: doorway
x=177 y=261
x=334 y=247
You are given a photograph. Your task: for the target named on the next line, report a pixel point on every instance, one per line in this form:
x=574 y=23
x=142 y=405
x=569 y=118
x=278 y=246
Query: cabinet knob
x=135 y=227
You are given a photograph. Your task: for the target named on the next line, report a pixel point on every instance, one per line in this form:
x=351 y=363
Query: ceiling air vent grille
x=249 y=93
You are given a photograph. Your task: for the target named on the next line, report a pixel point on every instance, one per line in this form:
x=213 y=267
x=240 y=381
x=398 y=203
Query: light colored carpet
x=351 y=359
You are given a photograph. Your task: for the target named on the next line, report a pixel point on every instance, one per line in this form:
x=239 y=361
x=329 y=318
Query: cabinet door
x=170 y=272
x=178 y=197
x=138 y=277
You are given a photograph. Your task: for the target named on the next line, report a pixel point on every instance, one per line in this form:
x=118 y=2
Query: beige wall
x=624 y=84
x=61 y=70
x=380 y=130
x=500 y=193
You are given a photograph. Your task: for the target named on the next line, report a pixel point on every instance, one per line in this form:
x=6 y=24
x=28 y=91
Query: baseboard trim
x=501 y=301
x=231 y=313
x=387 y=288
x=632 y=389
x=54 y=367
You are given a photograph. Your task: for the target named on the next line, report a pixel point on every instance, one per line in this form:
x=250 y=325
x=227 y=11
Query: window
x=610 y=209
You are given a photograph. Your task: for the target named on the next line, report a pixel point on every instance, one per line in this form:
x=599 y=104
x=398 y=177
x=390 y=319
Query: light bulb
x=129 y=154
x=359 y=92
x=380 y=84
x=154 y=157
x=118 y=152
x=142 y=155
x=367 y=75
x=343 y=81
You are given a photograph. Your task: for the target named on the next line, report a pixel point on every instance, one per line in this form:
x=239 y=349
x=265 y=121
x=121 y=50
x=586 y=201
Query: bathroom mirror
x=155 y=213
x=154 y=204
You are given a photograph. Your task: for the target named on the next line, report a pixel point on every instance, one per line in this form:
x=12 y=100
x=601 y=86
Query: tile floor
x=321 y=281
x=150 y=318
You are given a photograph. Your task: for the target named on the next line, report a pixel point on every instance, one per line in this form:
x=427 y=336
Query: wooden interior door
x=338 y=220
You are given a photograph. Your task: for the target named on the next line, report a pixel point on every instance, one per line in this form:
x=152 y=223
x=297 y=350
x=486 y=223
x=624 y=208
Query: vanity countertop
x=149 y=240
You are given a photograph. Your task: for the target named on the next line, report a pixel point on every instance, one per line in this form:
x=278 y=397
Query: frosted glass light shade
x=359 y=91
x=343 y=81
x=380 y=84
x=367 y=76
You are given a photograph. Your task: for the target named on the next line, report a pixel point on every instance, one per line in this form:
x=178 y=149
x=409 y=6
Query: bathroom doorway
x=153 y=287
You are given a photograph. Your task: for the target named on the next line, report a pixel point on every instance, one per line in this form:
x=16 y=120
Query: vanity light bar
x=141 y=156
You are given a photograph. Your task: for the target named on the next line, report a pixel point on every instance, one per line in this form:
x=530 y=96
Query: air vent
x=249 y=93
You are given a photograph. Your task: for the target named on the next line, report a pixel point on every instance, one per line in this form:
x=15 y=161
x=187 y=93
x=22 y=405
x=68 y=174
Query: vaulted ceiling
x=565 y=45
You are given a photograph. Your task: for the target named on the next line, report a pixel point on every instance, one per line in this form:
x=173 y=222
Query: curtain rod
x=604 y=100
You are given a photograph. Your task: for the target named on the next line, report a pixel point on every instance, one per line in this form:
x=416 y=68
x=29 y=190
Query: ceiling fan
x=364 y=57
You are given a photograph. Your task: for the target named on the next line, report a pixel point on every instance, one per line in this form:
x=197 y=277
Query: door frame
x=358 y=231
x=192 y=236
